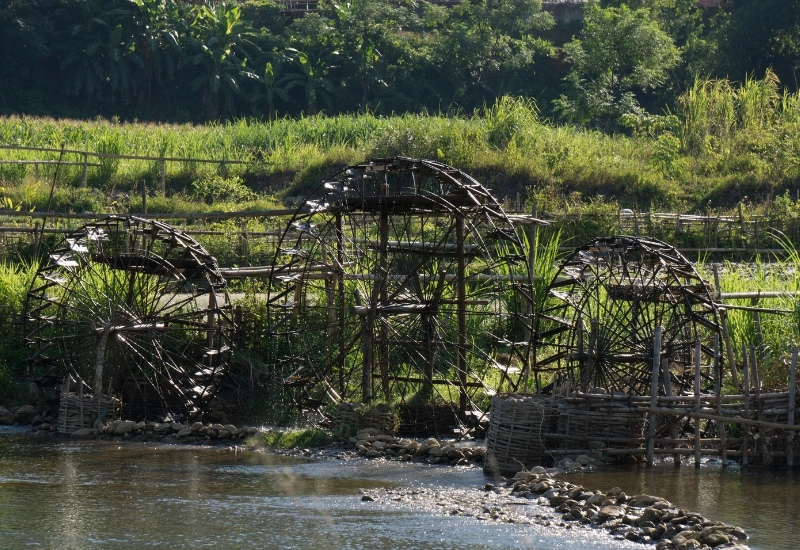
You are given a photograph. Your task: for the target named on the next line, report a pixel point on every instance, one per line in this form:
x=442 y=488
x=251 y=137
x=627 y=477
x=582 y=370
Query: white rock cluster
x=370 y=443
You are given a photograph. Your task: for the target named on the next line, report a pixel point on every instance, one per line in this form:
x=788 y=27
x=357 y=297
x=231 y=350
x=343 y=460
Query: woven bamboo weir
x=349 y=418
x=599 y=422
x=514 y=437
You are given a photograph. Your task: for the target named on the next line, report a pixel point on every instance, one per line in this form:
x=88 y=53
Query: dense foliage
x=214 y=60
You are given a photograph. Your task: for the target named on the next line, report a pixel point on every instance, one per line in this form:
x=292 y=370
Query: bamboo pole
x=461 y=314
x=746 y=388
x=728 y=419
x=697 y=349
x=667 y=378
x=790 y=406
x=722 y=426
x=651 y=425
x=762 y=444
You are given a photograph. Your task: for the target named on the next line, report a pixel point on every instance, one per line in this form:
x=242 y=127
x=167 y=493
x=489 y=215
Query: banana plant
x=276 y=84
x=220 y=45
x=98 y=57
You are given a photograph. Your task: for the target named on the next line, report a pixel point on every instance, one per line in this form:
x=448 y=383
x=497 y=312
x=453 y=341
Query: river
x=101 y=494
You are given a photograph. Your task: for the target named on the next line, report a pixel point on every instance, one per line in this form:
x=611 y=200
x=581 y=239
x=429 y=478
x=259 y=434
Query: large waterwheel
x=401 y=281
x=132 y=307
x=597 y=328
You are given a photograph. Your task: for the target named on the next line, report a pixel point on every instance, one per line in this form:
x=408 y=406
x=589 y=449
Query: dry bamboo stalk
x=718 y=375
x=790 y=412
x=697 y=348
x=728 y=419
x=746 y=388
x=668 y=390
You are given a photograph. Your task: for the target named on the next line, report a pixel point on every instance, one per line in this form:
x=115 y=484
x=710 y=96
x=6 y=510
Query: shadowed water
x=107 y=495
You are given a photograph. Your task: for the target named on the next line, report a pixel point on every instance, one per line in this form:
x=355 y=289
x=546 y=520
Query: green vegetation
x=290 y=438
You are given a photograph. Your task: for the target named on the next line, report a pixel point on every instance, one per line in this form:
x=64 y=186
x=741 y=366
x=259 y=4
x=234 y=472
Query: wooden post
x=790 y=408
x=162 y=165
x=651 y=425
x=461 y=298
x=697 y=351
x=366 y=341
x=144 y=197
x=723 y=317
x=100 y=360
x=759 y=334
x=746 y=388
x=340 y=298
x=667 y=377
x=718 y=384
x=383 y=360
x=762 y=444
x=83 y=173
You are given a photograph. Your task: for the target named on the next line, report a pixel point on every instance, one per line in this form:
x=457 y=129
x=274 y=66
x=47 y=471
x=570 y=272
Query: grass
x=724 y=144
x=290 y=438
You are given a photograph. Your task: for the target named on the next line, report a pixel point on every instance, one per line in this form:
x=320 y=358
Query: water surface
x=100 y=494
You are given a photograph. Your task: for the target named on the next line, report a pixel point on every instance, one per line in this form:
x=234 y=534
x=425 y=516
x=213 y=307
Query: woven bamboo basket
x=514 y=440
x=350 y=417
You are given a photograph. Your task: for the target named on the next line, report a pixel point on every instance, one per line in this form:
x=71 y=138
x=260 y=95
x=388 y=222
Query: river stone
x=6 y=418
x=230 y=428
x=124 y=427
x=610 y=512
x=642 y=501
x=431 y=442
x=716 y=539
x=224 y=434
x=177 y=426
x=25 y=414
x=196 y=427
x=184 y=432
x=44 y=426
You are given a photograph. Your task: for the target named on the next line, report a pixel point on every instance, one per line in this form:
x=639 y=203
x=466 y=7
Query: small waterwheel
x=598 y=326
x=401 y=280
x=132 y=307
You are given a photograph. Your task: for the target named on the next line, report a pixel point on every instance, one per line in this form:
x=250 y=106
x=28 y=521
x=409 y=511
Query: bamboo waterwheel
x=401 y=281
x=597 y=328
x=132 y=307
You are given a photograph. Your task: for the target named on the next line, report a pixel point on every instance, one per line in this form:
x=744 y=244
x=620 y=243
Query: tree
x=621 y=55
x=221 y=44
x=490 y=47
x=753 y=36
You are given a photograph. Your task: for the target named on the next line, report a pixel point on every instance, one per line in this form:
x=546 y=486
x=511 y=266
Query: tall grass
x=723 y=143
x=15 y=279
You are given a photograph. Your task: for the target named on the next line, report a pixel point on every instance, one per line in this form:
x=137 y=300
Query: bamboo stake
x=651 y=426
x=762 y=444
x=790 y=405
x=718 y=376
x=746 y=388
x=676 y=458
x=697 y=349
